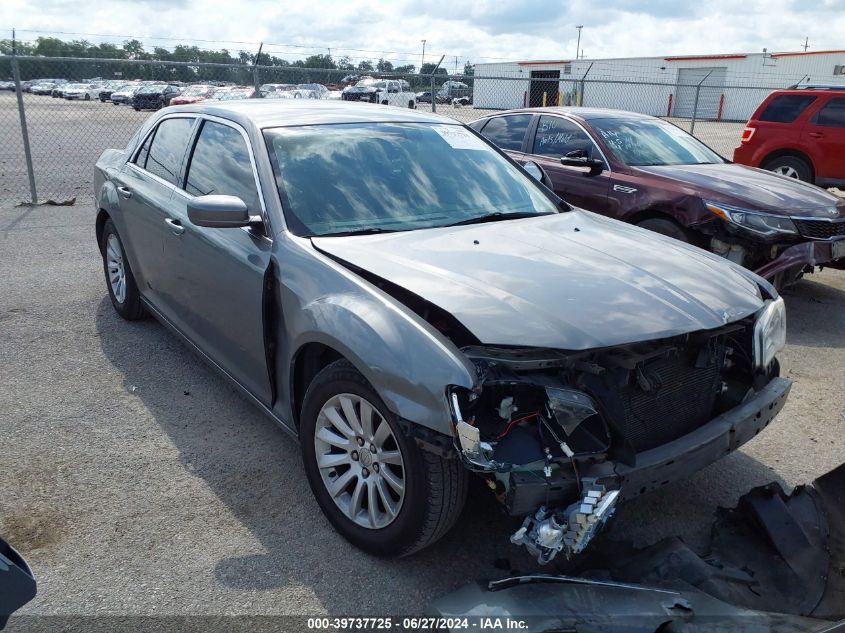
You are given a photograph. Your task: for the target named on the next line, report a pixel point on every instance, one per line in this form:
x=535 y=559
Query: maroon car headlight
x=763 y=224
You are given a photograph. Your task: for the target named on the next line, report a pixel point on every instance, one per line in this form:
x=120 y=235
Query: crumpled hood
x=752 y=188
x=567 y=281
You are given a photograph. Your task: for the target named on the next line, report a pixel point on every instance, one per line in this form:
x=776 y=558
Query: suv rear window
x=786 y=108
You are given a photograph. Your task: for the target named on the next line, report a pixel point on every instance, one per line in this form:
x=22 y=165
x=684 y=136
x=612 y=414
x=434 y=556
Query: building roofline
x=833 y=52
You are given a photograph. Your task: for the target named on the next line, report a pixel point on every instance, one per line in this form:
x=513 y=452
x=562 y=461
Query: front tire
x=667 y=227
x=120 y=282
x=791 y=167
x=375 y=485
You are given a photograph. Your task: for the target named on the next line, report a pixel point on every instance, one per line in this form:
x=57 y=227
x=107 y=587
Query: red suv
x=800 y=133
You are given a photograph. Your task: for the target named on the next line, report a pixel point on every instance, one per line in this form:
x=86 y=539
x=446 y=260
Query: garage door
x=708 y=98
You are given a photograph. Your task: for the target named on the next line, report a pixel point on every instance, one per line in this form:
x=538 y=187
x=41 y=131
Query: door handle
x=175 y=226
x=126 y=192
x=815 y=134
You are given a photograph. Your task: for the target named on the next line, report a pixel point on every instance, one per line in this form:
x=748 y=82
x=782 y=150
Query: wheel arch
x=99 y=226
x=308 y=361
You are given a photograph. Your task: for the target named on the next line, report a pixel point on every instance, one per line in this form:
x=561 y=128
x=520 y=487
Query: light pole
x=578 y=45
x=422 y=60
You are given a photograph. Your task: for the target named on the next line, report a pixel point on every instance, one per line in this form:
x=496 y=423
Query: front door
x=554 y=138
x=215 y=281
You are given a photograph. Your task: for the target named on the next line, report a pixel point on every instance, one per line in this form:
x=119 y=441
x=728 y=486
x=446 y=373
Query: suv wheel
x=791 y=167
x=374 y=484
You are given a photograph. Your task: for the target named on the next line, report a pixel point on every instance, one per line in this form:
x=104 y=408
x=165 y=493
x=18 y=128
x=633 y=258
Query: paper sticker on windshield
x=458 y=137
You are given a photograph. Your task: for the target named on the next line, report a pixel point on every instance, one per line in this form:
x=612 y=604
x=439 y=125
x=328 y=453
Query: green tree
x=384 y=66
x=365 y=66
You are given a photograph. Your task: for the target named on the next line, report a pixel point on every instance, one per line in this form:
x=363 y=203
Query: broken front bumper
x=816 y=253
x=692 y=452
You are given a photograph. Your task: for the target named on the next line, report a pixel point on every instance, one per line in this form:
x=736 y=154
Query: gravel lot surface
x=137 y=481
x=79 y=131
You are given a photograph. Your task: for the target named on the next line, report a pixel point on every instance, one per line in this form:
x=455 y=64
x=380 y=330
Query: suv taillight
x=747 y=133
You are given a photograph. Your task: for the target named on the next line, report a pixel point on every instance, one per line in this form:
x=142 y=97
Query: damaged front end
x=561 y=436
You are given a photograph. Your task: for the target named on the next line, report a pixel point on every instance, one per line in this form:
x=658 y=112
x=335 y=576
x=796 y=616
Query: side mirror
x=218 y=212
x=594 y=166
x=537 y=173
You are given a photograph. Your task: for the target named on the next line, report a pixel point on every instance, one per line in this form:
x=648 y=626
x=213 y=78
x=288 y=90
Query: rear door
x=145 y=186
x=554 y=138
x=215 y=281
x=826 y=132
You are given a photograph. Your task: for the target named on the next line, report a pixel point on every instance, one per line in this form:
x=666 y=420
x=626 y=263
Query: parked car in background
x=395 y=92
x=648 y=172
x=107 y=88
x=271 y=91
x=232 y=93
x=419 y=308
x=44 y=88
x=154 y=96
x=81 y=92
x=454 y=90
x=7 y=85
x=193 y=94
x=425 y=97
x=124 y=93
x=799 y=133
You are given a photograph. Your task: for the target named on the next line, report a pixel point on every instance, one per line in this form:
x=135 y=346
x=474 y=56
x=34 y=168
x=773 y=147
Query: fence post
x=433 y=96
x=16 y=73
x=581 y=93
x=695 y=103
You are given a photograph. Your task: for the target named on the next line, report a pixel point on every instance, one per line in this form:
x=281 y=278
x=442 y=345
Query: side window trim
x=151 y=133
x=268 y=232
x=586 y=132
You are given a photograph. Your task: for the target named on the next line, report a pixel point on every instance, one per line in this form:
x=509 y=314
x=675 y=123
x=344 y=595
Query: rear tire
x=791 y=167
x=434 y=489
x=666 y=227
x=124 y=296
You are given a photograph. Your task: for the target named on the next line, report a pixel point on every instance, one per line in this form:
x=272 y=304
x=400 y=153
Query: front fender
x=408 y=366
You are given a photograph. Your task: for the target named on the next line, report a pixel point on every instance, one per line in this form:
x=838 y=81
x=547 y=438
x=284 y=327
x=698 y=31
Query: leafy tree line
x=321 y=68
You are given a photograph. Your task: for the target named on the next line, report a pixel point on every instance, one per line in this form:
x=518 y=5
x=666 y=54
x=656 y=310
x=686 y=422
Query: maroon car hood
x=750 y=188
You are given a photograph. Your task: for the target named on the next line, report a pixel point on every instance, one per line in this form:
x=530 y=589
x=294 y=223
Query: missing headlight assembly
x=561 y=437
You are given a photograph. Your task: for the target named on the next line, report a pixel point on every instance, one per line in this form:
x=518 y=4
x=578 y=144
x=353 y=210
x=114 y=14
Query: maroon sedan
x=648 y=172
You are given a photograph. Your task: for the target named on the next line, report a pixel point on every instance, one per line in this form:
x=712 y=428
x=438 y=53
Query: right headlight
x=769 y=332
x=764 y=224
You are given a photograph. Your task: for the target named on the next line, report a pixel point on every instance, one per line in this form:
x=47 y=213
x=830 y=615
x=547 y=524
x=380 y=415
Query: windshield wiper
x=496 y=216
x=372 y=230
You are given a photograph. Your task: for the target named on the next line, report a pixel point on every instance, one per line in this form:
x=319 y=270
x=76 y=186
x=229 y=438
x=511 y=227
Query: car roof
x=284 y=113
x=583 y=113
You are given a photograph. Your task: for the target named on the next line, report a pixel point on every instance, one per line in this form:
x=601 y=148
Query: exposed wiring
x=516 y=421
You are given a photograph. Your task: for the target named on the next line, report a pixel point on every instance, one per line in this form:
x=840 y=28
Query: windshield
x=641 y=142
x=394 y=177
x=151 y=89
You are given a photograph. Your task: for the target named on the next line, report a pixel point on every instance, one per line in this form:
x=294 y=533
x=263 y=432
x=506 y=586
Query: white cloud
x=476 y=30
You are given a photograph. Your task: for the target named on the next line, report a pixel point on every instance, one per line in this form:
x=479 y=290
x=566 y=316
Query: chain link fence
x=50 y=138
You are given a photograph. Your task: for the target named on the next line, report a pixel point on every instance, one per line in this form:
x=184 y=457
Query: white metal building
x=732 y=85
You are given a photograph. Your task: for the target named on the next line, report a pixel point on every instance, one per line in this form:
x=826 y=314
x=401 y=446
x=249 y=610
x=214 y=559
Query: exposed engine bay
x=548 y=428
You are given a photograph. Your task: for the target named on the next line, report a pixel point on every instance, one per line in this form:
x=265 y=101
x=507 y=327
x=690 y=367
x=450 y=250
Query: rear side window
x=786 y=108
x=221 y=165
x=832 y=113
x=507 y=132
x=168 y=149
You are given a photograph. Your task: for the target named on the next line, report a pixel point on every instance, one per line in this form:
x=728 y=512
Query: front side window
x=786 y=108
x=558 y=137
x=507 y=132
x=168 y=148
x=648 y=141
x=221 y=165
x=395 y=177
x=832 y=114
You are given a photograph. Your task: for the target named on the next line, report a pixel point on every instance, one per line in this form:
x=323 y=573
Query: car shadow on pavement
x=255 y=470
x=814 y=314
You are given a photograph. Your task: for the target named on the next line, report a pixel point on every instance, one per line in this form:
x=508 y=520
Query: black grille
x=682 y=402
x=820 y=229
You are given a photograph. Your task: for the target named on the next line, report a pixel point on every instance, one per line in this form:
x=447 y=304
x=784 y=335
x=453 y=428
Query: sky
x=471 y=30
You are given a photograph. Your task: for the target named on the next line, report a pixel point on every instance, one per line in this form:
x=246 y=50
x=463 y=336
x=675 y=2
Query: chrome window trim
x=251 y=151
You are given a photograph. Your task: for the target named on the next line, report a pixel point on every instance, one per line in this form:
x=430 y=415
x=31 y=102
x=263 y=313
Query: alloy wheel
x=359 y=460
x=786 y=170
x=117 y=272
